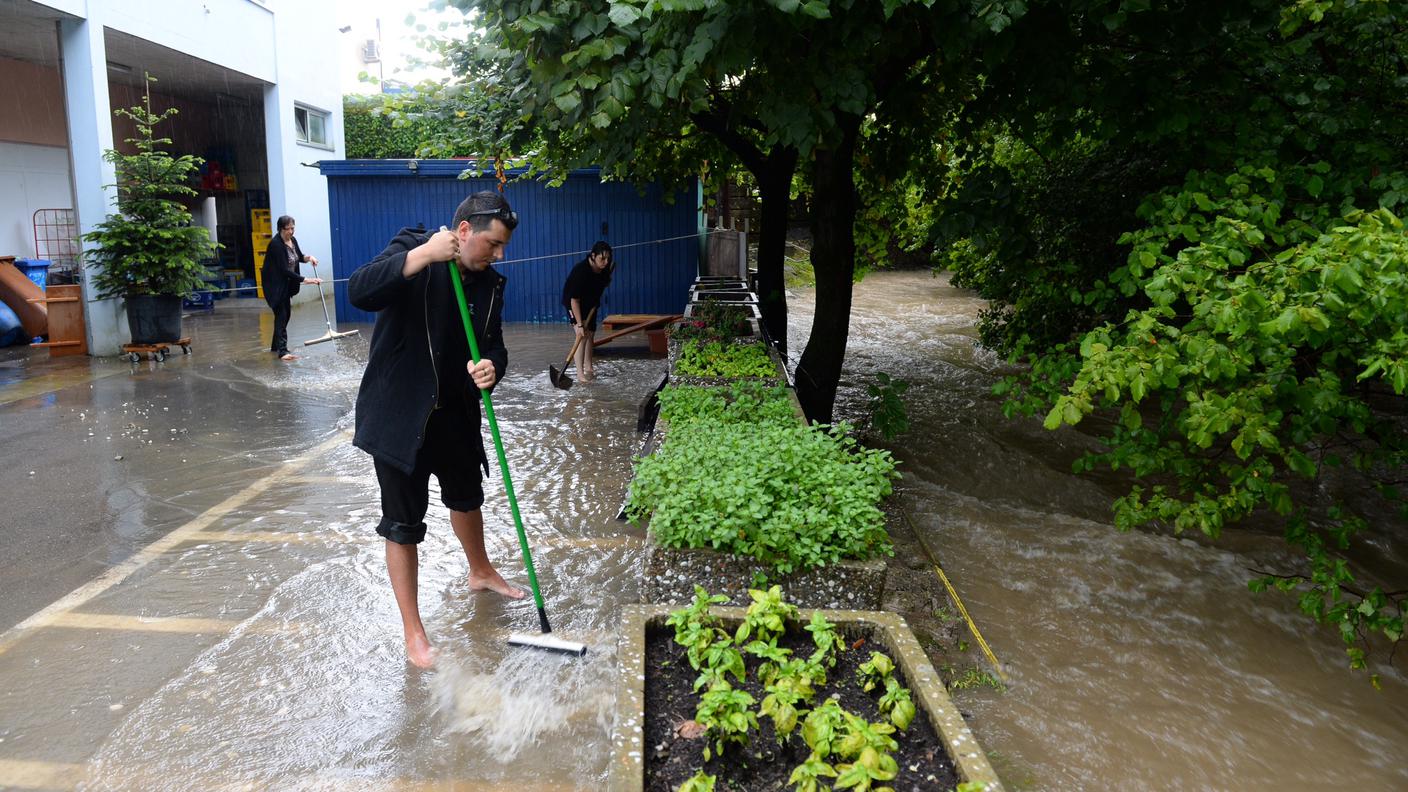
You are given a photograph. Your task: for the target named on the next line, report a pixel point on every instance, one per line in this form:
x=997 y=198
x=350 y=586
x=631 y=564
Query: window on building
x=312 y=126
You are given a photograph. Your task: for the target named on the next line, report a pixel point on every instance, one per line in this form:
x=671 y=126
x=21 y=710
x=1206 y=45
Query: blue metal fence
x=370 y=200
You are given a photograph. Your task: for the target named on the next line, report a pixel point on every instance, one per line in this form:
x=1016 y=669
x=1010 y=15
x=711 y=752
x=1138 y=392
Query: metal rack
x=56 y=240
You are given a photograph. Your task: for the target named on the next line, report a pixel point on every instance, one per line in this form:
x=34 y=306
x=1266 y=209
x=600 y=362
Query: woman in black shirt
x=582 y=293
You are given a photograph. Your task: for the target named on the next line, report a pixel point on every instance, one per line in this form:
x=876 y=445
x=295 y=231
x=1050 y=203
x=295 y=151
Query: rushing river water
x=1136 y=660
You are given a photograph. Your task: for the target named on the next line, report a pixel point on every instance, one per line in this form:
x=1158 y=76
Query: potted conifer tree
x=148 y=252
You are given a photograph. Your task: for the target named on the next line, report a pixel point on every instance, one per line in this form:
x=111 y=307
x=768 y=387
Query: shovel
x=331 y=333
x=560 y=378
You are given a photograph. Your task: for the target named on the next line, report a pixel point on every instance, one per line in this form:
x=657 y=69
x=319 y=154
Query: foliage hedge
x=418 y=130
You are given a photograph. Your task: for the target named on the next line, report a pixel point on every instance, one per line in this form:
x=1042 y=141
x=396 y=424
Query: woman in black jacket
x=281 y=282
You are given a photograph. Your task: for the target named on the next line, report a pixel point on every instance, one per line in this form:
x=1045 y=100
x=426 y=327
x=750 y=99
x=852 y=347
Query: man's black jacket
x=418 y=351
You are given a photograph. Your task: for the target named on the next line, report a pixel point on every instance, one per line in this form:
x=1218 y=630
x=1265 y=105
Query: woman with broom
x=281 y=279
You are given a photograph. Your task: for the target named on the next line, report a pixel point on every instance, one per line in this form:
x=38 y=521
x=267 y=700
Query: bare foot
x=419 y=651
x=289 y=356
x=588 y=377
x=495 y=582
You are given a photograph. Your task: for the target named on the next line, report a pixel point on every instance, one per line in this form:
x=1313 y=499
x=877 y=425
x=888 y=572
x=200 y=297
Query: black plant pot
x=154 y=318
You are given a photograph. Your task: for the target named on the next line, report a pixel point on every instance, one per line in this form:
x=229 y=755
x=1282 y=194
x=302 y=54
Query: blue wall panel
x=656 y=243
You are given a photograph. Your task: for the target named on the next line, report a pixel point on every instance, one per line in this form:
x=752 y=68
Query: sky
x=397 y=38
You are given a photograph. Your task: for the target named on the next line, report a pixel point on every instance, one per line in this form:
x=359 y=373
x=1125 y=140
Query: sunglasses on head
x=505 y=215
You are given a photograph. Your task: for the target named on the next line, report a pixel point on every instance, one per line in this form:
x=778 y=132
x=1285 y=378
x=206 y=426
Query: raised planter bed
x=750 y=307
x=780 y=378
x=722 y=295
x=646 y=748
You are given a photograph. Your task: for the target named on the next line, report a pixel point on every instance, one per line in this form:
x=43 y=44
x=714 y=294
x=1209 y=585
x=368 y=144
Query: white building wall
x=35 y=177
x=307 y=42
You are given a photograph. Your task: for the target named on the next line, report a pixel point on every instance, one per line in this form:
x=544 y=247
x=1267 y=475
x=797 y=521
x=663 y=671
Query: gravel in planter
x=671 y=574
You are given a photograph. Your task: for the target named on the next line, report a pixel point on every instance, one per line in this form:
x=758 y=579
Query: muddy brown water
x=1137 y=660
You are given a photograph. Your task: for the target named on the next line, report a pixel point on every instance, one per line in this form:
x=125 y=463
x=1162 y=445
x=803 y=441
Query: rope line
x=953 y=593
x=572 y=254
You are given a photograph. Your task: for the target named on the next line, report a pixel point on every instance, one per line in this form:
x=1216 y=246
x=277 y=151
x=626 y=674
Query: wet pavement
x=195 y=598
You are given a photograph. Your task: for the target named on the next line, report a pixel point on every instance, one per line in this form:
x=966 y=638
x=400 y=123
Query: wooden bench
x=650 y=321
x=652 y=324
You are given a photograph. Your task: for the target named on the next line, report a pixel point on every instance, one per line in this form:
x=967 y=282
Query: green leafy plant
x=149 y=246
x=793 y=497
x=897 y=703
x=696 y=629
x=767 y=616
x=824 y=728
x=712 y=321
x=699 y=782
x=887 y=413
x=972 y=678
x=773 y=658
x=729 y=361
x=784 y=694
x=1269 y=337
x=719 y=659
x=740 y=402
x=873 y=672
x=807 y=776
x=727 y=715
x=868 y=768
x=829 y=644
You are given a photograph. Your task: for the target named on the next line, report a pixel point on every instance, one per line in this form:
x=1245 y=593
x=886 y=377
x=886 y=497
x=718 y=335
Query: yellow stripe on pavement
x=151 y=552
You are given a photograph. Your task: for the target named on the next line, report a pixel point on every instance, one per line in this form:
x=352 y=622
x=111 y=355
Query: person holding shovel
x=281 y=279
x=418 y=409
x=581 y=295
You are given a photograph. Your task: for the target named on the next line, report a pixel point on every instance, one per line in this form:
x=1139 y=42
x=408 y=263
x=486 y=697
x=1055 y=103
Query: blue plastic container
x=10 y=330
x=200 y=299
x=246 y=287
x=36 y=270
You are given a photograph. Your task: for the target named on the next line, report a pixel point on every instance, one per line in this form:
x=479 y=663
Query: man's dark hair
x=283 y=222
x=482 y=208
x=601 y=247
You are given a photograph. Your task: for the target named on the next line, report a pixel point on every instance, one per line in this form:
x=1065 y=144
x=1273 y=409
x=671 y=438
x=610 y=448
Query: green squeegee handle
x=499 y=447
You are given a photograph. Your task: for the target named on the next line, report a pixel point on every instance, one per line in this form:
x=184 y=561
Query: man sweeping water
x=418 y=408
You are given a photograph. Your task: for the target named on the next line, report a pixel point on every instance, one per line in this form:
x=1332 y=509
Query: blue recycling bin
x=36 y=270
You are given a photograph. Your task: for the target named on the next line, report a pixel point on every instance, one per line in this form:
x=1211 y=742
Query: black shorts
x=405 y=498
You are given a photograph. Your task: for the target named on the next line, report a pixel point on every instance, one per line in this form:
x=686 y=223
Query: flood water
x=250 y=640
x=230 y=625
x=1136 y=660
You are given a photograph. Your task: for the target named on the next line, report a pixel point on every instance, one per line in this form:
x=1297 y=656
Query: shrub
x=731 y=361
x=742 y=402
x=794 y=497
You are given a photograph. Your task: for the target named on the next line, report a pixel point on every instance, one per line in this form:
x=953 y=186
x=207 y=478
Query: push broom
x=545 y=640
x=331 y=333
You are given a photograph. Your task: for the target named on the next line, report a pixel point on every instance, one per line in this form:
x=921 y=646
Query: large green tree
x=636 y=83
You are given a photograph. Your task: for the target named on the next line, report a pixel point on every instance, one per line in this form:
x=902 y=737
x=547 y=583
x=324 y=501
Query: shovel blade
x=559 y=378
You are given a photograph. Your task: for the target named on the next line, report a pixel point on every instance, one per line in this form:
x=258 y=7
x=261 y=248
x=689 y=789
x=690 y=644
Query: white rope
x=572 y=254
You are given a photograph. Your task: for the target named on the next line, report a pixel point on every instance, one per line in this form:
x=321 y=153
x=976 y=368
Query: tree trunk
x=833 y=259
x=774 y=188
